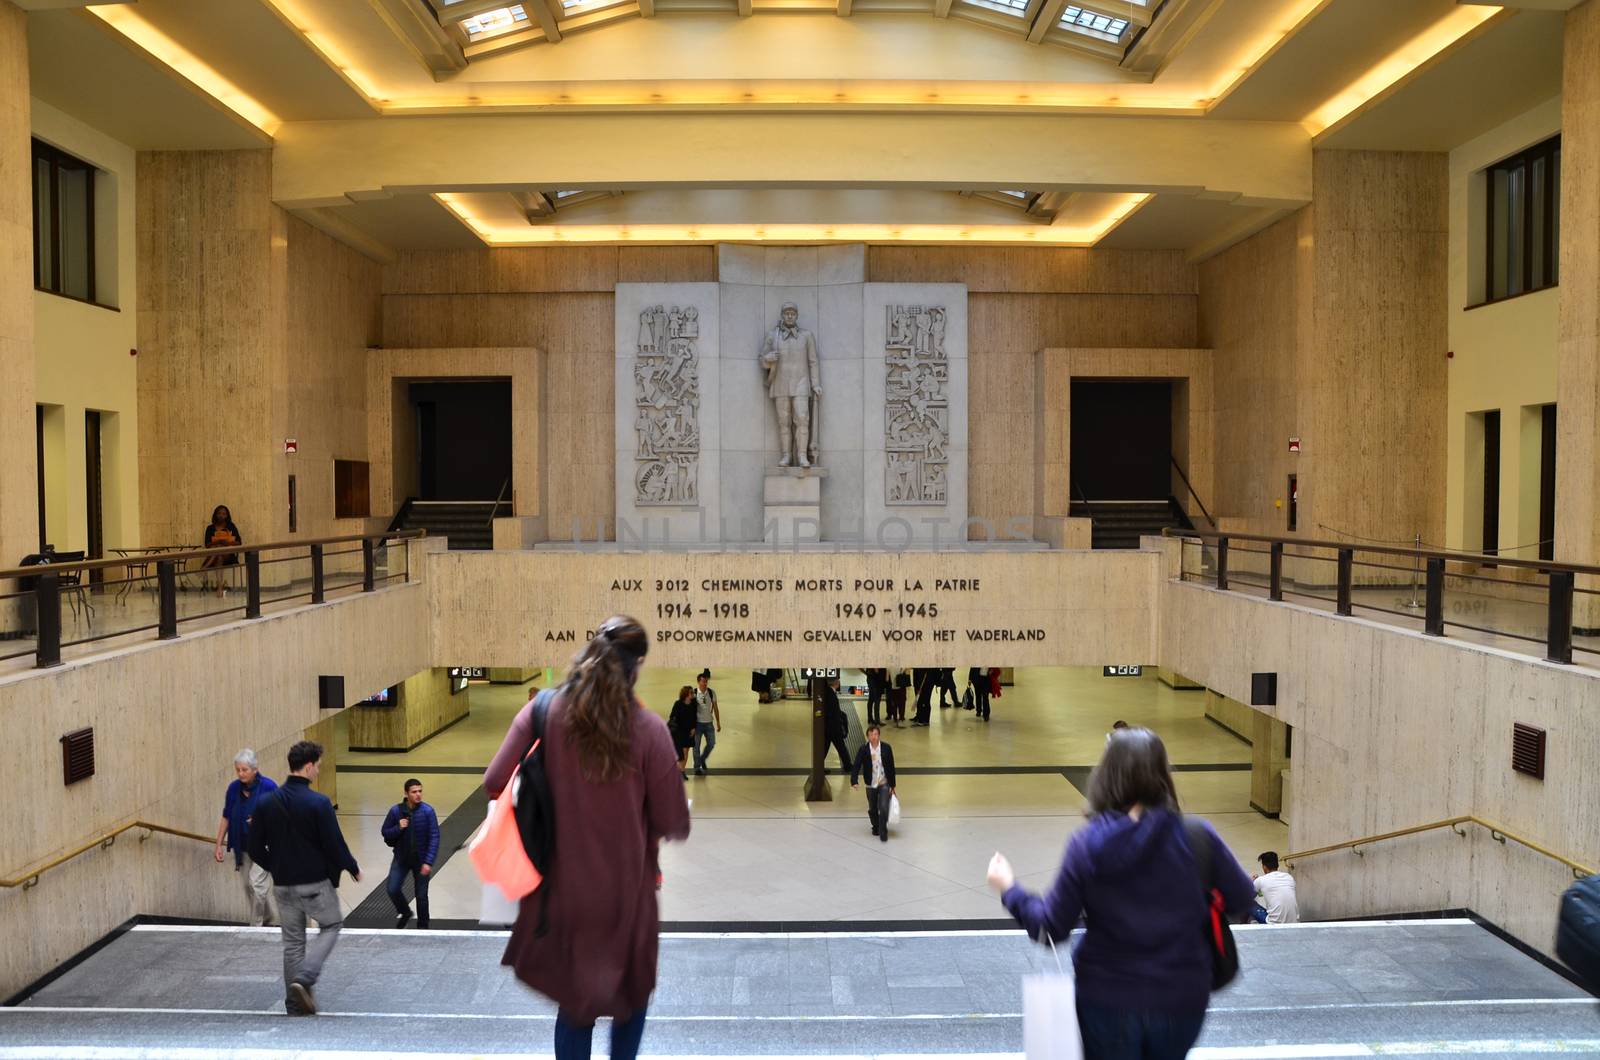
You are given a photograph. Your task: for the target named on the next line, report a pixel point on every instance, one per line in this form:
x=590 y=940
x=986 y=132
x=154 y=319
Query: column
x=19 y=506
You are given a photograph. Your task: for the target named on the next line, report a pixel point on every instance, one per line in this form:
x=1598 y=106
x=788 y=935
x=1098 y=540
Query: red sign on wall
x=290 y=445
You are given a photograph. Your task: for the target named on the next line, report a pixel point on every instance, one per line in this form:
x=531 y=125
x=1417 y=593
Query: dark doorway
x=1547 y=483
x=1121 y=440
x=93 y=506
x=1491 y=482
x=38 y=441
x=463 y=439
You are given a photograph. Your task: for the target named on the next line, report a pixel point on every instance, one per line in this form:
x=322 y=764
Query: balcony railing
x=1534 y=604
x=161 y=589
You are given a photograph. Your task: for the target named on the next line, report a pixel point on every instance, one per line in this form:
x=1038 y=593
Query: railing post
x=1275 y=590
x=1433 y=617
x=317 y=588
x=1222 y=563
x=367 y=565
x=167 y=594
x=1347 y=562
x=252 y=584
x=47 y=614
x=1560 y=632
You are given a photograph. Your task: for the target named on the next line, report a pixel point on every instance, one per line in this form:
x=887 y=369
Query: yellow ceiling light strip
x=1260 y=48
x=294 y=16
x=523 y=235
x=1399 y=64
x=126 y=21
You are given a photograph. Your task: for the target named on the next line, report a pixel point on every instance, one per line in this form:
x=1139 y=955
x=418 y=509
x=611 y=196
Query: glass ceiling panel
x=1009 y=7
x=496 y=21
x=1093 y=23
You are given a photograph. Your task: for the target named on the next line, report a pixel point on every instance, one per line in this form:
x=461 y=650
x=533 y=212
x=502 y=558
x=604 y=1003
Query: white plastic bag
x=494 y=908
x=894 y=809
x=1050 y=1015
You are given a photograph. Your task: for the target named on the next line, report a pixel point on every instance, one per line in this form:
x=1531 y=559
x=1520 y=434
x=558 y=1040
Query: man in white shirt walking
x=876 y=760
x=1275 y=888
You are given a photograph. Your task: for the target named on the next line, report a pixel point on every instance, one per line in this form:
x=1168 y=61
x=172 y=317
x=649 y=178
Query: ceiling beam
x=1254 y=163
x=844 y=7
x=423 y=36
x=330 y=223
x=745 y=8
x=1049 y=15
x=941 y=8
x=546 y=12
x=647 y=8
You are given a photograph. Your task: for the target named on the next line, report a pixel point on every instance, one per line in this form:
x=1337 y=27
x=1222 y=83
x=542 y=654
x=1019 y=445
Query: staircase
x=468 y=524
x=1120 y=524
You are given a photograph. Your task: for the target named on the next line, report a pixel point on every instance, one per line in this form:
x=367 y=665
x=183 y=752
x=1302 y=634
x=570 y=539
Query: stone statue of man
x=789 y=354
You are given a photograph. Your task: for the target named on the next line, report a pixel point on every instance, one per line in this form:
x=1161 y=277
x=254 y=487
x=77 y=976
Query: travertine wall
x=168 y=718
x=253 y=328
x=560 y=301
x=1578 y=337
x=1330 y=327
x=19 y=507
x=1394 y=729
x=425 y=707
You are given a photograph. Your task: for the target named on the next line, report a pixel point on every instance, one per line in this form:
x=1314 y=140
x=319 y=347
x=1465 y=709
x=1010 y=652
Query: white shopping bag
x=894 y=809
x=1050 y=1015
x=494 y=908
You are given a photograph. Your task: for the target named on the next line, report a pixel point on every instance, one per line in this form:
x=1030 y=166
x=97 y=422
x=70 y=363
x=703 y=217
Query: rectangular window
x=351 y=496
x=63 y=223
x=1523 y=233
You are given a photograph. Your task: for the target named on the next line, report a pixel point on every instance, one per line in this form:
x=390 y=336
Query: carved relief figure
x=916 y=430
x=667 y=396
x=789 y=355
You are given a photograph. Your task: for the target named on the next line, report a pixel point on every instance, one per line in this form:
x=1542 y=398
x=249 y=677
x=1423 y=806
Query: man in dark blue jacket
x=296 y=836
x=412 y=828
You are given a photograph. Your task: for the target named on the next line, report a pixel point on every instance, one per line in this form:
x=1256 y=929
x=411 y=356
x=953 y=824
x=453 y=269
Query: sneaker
x=300 y=993
x=402 y=919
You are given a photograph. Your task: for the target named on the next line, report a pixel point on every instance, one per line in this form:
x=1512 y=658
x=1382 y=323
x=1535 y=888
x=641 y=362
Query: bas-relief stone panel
x=668 y=408
x=1394 y=729
x=512 y=608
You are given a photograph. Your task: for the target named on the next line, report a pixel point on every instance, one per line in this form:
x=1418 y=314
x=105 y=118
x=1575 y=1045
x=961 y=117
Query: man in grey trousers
x=296 y=836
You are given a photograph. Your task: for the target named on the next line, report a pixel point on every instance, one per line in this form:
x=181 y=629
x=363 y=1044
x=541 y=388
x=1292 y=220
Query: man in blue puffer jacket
x=412 y=829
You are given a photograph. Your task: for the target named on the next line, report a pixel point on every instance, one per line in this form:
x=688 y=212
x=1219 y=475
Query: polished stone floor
x=761 y=854
x=1445 y=988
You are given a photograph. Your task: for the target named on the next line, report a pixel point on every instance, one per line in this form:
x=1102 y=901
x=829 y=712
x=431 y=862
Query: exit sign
x=1122 y=671
x=810 y=672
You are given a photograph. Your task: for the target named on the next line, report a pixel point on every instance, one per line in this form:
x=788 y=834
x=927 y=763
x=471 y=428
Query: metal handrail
x=1391 y=550
x=199 y=553
x=497 y=499
x=31 y=878
x=1496 y=832
x=1192 y=493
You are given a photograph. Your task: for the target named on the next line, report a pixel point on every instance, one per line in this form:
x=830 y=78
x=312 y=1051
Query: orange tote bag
x=497 y=851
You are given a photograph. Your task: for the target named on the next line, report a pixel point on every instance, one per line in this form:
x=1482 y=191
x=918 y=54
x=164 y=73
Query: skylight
x=1093 y=23
x=497 y=21
x=1018 y=8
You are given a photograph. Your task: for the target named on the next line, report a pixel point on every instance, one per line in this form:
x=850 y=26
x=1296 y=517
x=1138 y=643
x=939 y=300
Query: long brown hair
x=1133 y=771
x=598 y=699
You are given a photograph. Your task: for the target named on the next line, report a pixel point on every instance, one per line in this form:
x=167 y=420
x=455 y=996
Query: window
x=1524 y=221
x=1093 y=23
x=497 y=21
x=1018 y=8
x=63 y=223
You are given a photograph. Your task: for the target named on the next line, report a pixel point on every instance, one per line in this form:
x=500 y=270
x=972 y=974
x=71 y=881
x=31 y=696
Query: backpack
x=1578 y=930
x=534 y=806
x=1219 y=936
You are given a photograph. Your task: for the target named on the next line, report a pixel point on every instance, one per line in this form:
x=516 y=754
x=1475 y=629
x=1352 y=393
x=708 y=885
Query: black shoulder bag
x=1219 y=935
x=535 y=808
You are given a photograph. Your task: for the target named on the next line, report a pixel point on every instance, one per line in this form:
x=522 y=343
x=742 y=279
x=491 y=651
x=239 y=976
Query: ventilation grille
x=1527 y=750
x=77 y=755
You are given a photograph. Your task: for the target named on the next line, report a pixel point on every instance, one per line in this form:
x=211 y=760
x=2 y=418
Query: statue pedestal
x=792 y=504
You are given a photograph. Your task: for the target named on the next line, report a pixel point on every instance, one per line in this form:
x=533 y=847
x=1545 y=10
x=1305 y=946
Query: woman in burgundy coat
x=617 y=793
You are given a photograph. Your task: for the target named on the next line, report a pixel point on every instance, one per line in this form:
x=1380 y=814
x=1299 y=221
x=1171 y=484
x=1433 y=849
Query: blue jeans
x=708 y=730
x=397 y=880
x=574 y=1042
x=1136 y=1034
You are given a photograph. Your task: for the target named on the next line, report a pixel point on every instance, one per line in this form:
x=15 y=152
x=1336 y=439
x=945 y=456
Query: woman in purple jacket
x=1143 y=965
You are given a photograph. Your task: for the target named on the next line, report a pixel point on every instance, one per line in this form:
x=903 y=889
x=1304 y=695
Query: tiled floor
x=761 y=853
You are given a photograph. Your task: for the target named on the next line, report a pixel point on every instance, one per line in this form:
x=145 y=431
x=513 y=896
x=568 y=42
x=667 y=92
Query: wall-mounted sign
x=1294 y=445
x=290 y=446
x=470 y=673
x=809 y=672
x=1122 y=671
